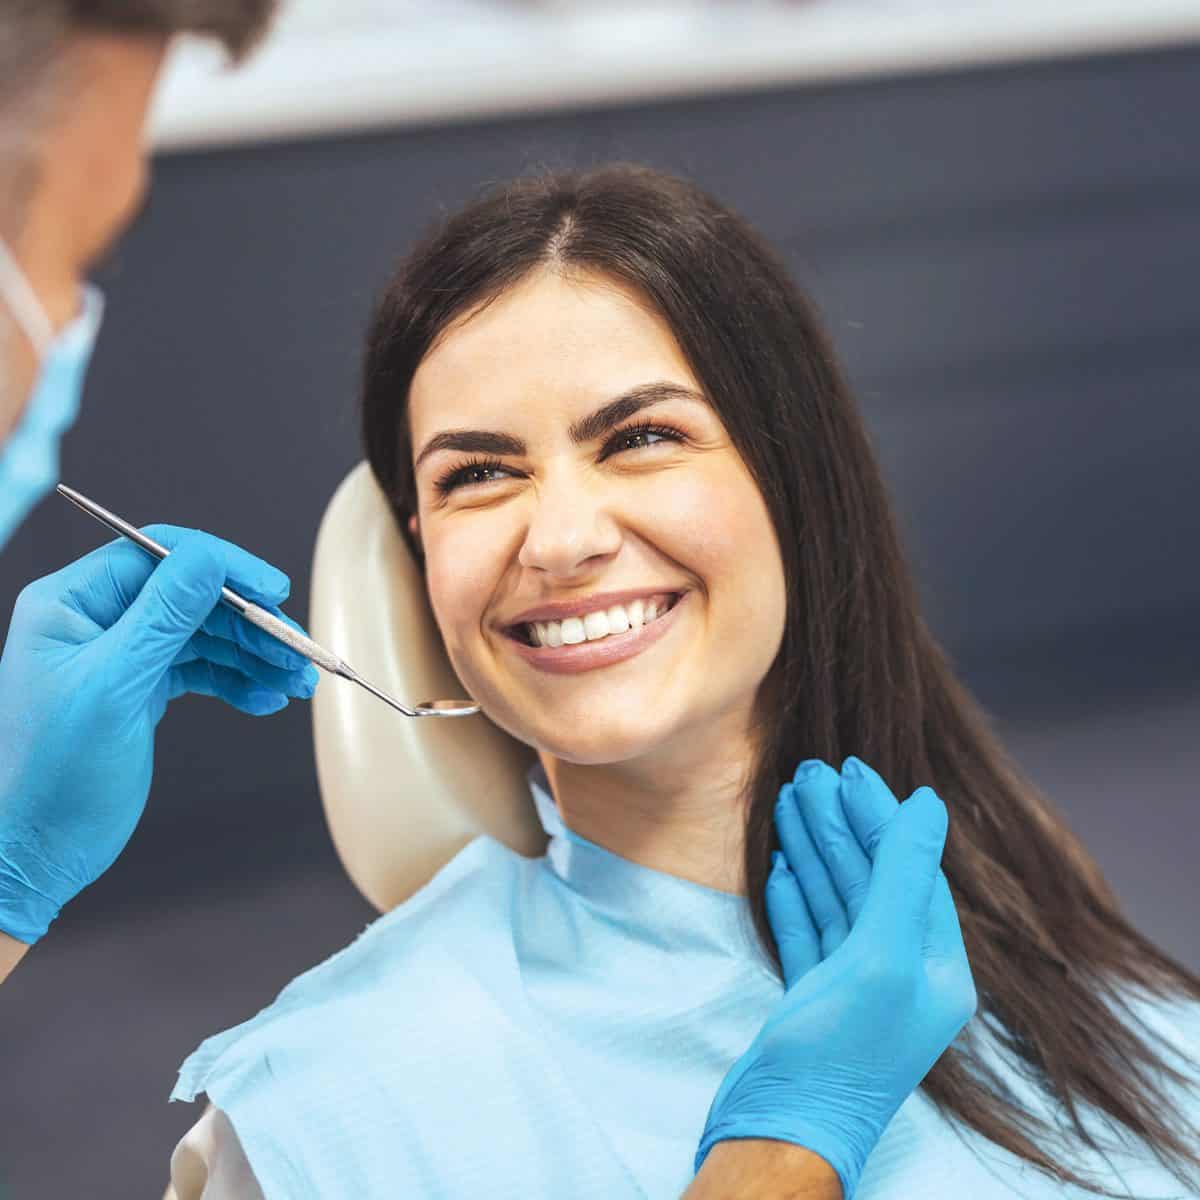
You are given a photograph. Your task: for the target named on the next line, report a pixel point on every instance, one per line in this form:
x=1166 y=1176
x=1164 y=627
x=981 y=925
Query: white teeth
x=595 y=625
x=620 y=618
x=618 y=622
x=572 y=631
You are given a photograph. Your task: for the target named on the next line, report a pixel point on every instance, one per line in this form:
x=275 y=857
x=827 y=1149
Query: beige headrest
x=401 y=795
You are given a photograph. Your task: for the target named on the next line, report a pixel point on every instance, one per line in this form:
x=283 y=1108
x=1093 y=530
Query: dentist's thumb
x=173 y=603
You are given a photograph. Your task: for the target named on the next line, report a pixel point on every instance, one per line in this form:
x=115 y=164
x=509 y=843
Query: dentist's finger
x=236 y=689
x=301 y=683
x=795 y=933
x=819 y=800
x=247 y=574
x=820 y=894
x=868 y=804
x=223 y=622
x=904 y=874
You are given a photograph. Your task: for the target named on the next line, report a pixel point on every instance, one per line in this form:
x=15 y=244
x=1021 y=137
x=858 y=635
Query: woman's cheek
x=701 y=519
x=715 y=524
x=463 y=567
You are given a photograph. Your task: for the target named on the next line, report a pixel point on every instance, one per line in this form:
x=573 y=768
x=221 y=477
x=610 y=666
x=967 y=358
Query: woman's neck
x=681 y=811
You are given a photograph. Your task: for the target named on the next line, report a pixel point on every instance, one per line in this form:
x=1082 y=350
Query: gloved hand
x=94 y=654
x=878 y=982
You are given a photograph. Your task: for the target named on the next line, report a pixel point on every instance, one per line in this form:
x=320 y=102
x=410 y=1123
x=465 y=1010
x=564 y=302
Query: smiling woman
x=616 y=395
x=660 y=553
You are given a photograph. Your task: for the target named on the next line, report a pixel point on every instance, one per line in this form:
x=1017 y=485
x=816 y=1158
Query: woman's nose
x=569 y=529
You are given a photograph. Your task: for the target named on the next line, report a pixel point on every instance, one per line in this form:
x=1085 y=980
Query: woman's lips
x=586 y=656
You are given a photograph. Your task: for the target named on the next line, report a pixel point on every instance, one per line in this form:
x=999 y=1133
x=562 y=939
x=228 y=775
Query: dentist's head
x=76 y=81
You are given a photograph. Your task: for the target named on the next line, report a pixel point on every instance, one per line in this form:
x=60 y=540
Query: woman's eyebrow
x=586 y=429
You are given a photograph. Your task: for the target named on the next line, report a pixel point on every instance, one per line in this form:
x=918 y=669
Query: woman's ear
x=414 y=531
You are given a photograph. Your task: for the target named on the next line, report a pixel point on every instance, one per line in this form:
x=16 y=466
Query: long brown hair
x=858 y=671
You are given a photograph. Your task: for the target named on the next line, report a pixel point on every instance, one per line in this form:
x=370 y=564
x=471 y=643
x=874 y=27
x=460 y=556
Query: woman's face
x=568 y=466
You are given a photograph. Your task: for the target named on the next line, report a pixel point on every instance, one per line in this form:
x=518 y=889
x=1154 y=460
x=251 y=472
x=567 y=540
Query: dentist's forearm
x=750 y=1169
x=11 y=953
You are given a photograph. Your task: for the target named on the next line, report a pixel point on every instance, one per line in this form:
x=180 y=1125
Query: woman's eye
x=641 y=436
x=477 y=475
x=468 y=474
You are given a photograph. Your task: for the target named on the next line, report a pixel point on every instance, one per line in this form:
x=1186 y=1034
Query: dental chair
x=402 y=796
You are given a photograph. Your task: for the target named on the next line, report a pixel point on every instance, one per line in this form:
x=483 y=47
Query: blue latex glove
x=877 y=978
x=94 y=654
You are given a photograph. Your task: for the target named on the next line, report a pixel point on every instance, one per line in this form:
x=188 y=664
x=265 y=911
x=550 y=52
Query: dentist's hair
x=858 y=671
x=33 y=83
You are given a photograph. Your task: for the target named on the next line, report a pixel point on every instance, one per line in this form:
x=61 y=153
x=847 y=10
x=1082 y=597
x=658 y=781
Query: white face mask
x=29 y=458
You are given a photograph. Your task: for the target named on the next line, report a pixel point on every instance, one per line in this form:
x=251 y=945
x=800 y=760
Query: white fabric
x=533 y=1028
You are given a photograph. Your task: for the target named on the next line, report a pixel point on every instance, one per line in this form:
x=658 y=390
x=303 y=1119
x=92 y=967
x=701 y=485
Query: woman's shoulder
x=451 y=938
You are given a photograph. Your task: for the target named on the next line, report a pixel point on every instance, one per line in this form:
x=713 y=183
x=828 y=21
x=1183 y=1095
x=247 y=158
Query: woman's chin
x=587 y=741
x=598 y=752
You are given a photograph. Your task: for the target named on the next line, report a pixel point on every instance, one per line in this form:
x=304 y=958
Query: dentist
x=96 y=651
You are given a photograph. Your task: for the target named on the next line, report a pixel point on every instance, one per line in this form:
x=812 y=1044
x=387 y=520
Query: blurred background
x=997 y=208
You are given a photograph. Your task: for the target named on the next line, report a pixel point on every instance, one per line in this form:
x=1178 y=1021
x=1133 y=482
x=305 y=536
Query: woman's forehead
x=553 y=341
